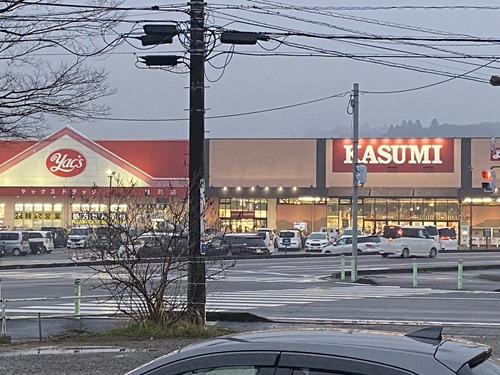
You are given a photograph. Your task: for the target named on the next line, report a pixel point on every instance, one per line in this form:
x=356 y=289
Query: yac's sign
x=66 y=163
x=396 y=155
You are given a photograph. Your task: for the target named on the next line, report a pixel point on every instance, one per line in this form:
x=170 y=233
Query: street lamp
x=110 y=175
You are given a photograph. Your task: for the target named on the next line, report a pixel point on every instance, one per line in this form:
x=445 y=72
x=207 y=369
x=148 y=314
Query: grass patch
x=149 y=330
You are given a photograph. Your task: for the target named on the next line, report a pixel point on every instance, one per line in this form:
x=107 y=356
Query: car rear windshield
x=448 y=232
x=392 y=232
x=287 y=234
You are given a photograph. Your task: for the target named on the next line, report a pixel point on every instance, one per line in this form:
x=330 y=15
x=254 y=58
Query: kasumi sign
x=395 y=155
x=66 y=163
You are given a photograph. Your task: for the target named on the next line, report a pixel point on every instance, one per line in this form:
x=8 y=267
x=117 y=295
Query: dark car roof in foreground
x=411 y=353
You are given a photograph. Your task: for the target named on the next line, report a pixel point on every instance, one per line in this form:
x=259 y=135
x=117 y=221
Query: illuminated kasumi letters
x=395 y=155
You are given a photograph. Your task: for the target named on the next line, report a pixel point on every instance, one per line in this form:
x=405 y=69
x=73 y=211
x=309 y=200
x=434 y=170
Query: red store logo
x=66 y=163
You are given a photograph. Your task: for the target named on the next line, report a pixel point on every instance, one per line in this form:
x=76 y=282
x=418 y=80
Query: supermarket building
x=253 y=183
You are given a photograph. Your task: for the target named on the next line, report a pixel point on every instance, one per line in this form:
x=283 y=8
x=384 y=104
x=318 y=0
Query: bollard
x=415 y=269
x=4 y=339
x=460 y=273
x=342 y=267
x=353 y=271
x=78 y=294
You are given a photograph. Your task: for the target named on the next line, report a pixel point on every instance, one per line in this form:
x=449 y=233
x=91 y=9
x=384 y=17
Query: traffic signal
x=361 y=172
x=158 y=34
x=489 y=184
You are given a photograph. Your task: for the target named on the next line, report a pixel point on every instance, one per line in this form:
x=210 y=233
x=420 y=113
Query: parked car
x=16 y=242
x=328 y=352
x=41 y=241
x=161 y=245
x=366 y=244
x=59 y=235
x=407 y=241
x=317 y=241
x=448 y=238
x=81 y=237
x=243 y=244
x=269 y=237
x=290 y=239
x=108 y=238
x=433 y=232
x=349 y=232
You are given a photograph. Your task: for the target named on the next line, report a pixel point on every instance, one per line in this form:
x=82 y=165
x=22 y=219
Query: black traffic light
x=158 y=34
x=160 y=60
x=240 y=37
x=489 y=184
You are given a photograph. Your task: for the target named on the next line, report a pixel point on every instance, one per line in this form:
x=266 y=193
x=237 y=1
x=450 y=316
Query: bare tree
x=44 y=50
x=143 y=246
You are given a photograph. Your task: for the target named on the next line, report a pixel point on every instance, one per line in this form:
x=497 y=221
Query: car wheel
x=43 y=249
x=16 y=252
x=48 y=251
x=405 y=253
x=384 y=255
x=432 y=253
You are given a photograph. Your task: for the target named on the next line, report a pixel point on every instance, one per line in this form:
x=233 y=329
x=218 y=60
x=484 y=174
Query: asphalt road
x=283 y=290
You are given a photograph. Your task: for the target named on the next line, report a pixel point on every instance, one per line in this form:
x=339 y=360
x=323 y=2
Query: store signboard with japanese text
x=384 y=155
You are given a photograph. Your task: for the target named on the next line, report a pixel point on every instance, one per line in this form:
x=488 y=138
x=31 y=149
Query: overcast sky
x=272 y=74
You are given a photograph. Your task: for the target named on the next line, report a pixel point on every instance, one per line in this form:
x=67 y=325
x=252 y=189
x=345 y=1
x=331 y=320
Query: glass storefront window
x=381 y=208
x=416 y=209
x=405 y=209
x=37 y=215
x=242 y=215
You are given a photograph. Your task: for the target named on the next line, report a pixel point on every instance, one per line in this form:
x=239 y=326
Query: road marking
x=241 y=300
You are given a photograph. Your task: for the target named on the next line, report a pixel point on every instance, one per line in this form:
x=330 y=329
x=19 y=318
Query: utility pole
x=355 y=114
x=196 y=293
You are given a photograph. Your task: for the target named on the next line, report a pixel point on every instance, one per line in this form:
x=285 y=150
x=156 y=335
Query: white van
x=407 y=241
x=448 y=238
x=290 y=239
x=16 y=242
x=41 y=241
x=269 y=238
x=81 y=237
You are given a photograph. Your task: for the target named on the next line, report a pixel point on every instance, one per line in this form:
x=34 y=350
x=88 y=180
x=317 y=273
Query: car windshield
x=79 y=232
x=317 y=236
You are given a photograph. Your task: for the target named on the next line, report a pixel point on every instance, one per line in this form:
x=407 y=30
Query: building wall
x=313 y=215
x=481 y=160
x=263 y=162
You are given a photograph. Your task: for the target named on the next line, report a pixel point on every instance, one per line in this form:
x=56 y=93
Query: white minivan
x=407 y=241
x=290 y=239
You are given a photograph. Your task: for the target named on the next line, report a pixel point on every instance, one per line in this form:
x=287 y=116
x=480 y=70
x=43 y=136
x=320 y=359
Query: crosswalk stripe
x=240 y=300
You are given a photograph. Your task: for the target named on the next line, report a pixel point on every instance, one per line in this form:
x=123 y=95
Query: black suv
x=328 y=352
x=243 y=245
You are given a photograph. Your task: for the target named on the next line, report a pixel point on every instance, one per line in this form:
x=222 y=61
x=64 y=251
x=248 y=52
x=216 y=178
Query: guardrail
x=77 y=298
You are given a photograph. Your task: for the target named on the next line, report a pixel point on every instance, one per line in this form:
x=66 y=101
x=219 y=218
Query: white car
x=349 y=232
x=316 y=241
x=366 y=244
x=290 y=239
x=407 y=241
x=448 y=238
